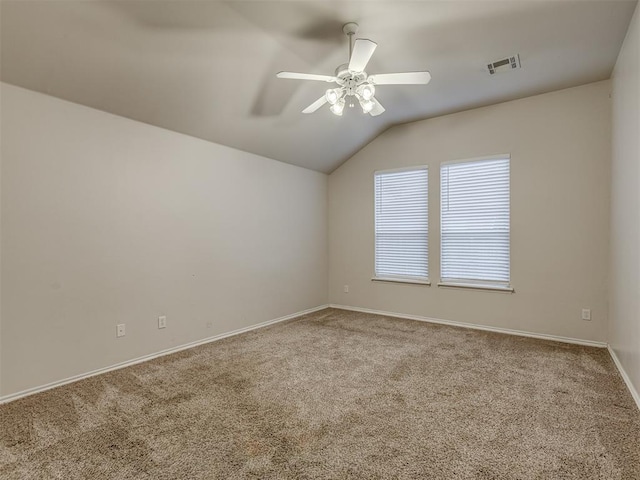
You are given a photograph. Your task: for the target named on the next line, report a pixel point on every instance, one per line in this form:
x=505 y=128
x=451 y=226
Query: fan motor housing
x=349 y=80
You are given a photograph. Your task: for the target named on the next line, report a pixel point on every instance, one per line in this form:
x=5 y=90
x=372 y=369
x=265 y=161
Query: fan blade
x=377 y=108
x=306 y=76
x=407 y=78
x=315 y=105
x=362 y=51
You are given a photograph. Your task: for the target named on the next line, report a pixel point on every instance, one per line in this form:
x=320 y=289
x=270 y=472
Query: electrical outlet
x=209 y=324
x=586 y=314
x=162 y=322
x=120 y=330
x=346 y=289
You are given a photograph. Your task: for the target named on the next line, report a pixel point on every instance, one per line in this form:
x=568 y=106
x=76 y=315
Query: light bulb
x=367 y=91
x=338 y=107
x=367 y=105
x=333 y=95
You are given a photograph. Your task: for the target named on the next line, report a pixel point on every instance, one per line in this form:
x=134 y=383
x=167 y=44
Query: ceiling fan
x=353 y=82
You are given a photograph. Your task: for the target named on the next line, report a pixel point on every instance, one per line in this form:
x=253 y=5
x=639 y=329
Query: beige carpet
x=337 y=395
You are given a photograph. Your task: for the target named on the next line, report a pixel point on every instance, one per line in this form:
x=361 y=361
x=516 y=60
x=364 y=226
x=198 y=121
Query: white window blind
x=475 y=222
x=402 y=224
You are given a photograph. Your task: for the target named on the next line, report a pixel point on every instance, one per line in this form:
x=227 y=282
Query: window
x=402 y=225
x=474 y=220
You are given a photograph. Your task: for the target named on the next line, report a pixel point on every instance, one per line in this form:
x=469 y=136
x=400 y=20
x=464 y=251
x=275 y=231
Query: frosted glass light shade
x=333 y=95
x=338 y=107
x=367 y=91
x=367 y=105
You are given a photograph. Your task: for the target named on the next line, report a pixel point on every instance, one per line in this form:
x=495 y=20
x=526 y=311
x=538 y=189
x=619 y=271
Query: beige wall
x=624 y=323
x=106 y=220
x=560 y=157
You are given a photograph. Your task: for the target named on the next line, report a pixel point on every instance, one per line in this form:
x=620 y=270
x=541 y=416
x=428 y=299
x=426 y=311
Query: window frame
x=476 y=284
x=401 y=279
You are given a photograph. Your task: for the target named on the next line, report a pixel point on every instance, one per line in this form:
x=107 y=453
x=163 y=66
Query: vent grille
x=509 y=63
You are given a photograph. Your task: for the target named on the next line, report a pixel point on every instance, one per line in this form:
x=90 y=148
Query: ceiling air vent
x=504 y=65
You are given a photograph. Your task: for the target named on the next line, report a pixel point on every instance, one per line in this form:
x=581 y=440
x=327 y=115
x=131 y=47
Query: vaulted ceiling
x=207 y=68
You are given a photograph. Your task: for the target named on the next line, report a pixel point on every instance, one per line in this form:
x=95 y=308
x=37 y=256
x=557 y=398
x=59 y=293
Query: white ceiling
x=207 y=69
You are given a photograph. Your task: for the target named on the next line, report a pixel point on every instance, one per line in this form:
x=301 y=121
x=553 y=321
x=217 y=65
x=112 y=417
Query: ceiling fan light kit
x=353 y=81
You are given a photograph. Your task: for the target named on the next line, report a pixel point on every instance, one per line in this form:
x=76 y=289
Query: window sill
x=478 y=286
x=413 y=281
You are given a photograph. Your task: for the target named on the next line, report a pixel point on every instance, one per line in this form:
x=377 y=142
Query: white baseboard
x=508 y=331
x=625 y=377
x=145 y=358
x=75 y=378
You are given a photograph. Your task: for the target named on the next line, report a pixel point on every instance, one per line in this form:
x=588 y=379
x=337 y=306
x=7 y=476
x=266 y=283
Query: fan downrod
x=350 y=29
